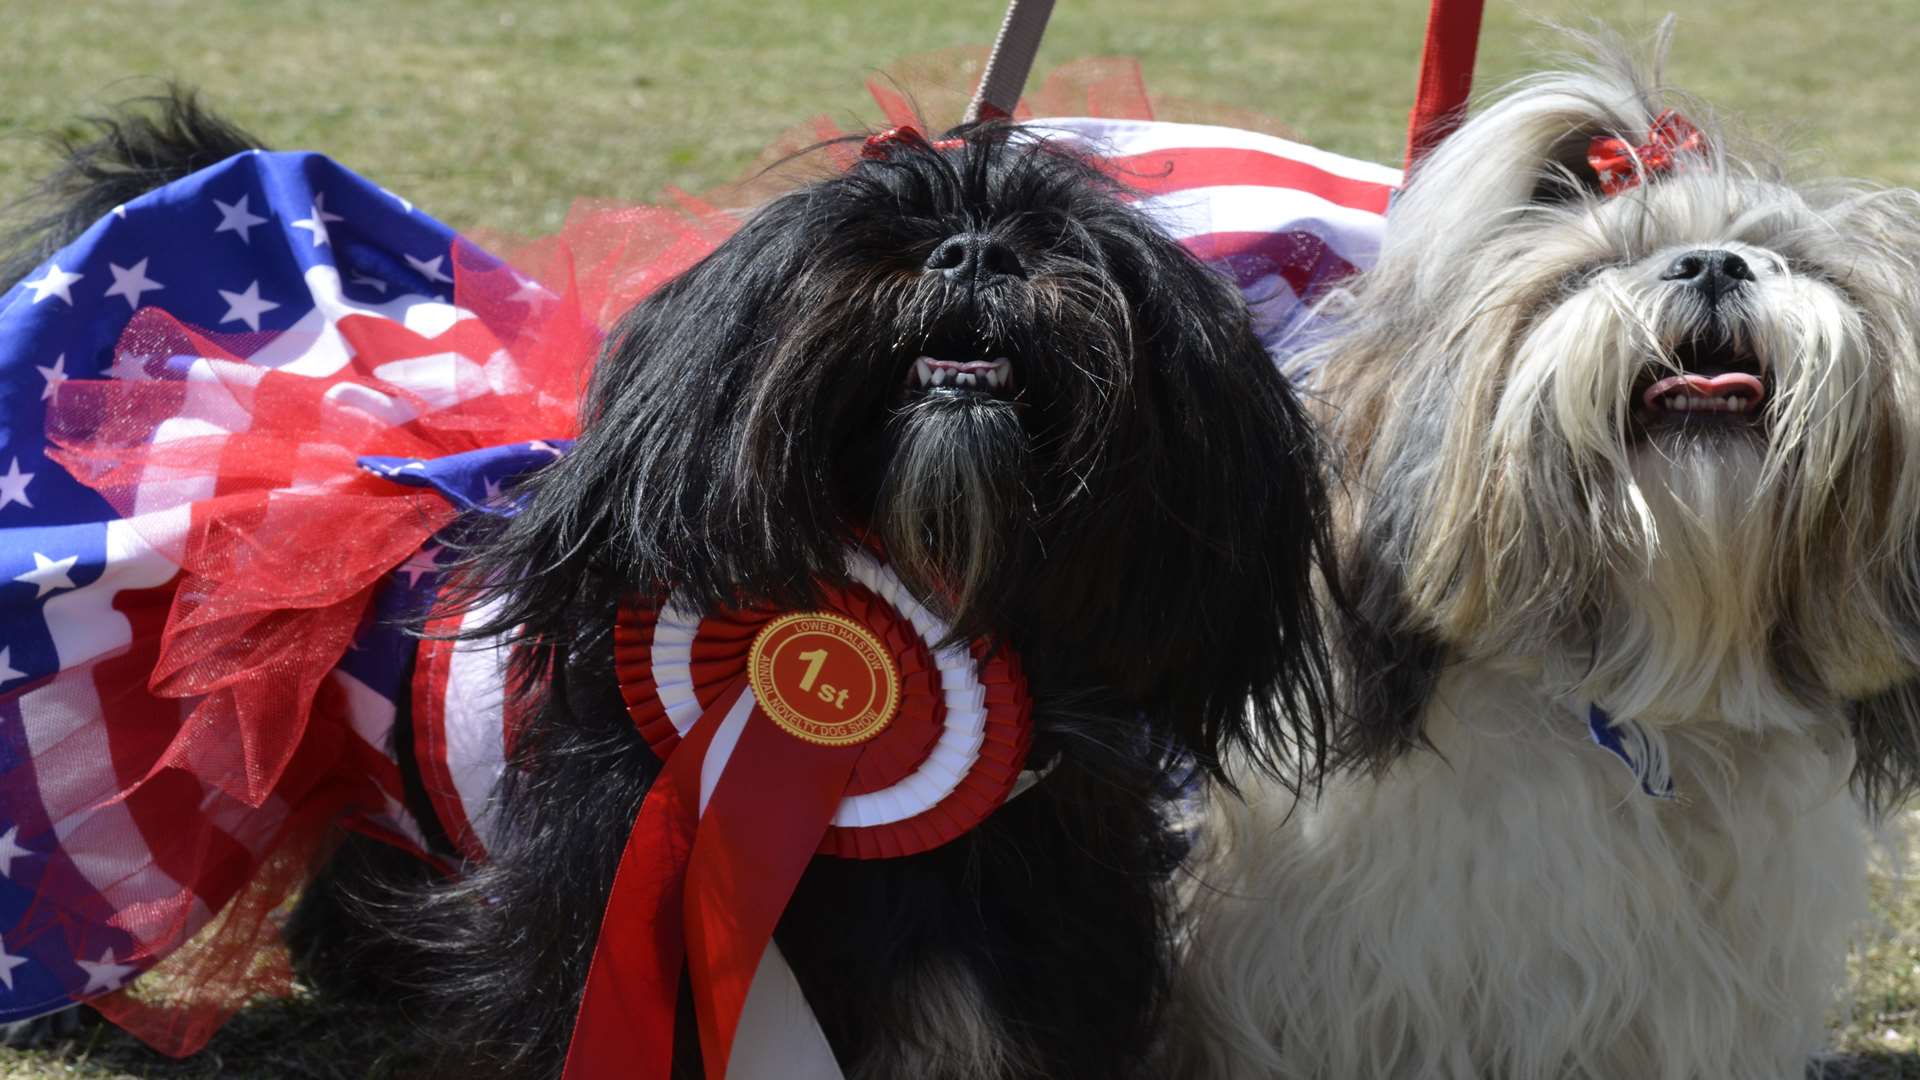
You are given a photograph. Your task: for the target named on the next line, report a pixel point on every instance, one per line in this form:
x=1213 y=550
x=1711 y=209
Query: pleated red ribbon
x=784 y=735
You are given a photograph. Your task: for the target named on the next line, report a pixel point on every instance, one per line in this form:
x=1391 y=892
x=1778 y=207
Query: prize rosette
x=950 y=754
x=849 y=730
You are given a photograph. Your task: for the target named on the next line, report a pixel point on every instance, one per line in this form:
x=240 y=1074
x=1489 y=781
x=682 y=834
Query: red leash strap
x=1446 y=74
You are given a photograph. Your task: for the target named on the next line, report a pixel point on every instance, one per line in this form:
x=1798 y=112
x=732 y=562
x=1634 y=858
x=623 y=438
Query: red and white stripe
x=1284 y=219
x=91 y=729
x=461 y=729
x=463 y=725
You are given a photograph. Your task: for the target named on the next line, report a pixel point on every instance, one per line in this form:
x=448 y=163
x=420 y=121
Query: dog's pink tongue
x=1731 y=384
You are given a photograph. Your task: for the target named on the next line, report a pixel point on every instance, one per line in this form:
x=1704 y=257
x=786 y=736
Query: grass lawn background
x=498 y=116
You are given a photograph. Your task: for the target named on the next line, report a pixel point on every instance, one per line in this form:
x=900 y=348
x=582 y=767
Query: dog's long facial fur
x=1124 y=492
x=1550 y=501
x=1520 y=497
x=1062 y=430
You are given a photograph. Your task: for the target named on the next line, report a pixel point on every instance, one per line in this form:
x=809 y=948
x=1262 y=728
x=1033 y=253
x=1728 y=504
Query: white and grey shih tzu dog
x=1630 y=425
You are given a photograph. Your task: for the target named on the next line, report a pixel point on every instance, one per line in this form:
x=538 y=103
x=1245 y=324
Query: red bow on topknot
x=1621 y=165
x=878 y=146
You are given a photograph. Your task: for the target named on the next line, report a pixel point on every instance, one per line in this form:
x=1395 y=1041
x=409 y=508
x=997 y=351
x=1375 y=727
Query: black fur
x=1886 y=736
x=1161 y=517
x=1141 y=521
x=1399 y=661
x=142 y=145
x=1152 y=518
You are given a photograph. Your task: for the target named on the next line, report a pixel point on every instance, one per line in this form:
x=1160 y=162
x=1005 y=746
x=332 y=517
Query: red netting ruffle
x=232 y=755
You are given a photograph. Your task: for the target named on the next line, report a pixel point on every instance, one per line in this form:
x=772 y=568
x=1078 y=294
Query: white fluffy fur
x=1504 y=902
x=1520 y=910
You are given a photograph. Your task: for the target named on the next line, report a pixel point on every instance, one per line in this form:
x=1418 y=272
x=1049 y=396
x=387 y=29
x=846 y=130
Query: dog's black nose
x=1713 y=271
x=976 y=257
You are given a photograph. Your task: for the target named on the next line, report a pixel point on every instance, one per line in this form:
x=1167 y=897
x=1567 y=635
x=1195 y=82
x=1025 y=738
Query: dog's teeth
x=963 y=378
x=939 y=376
x=923 y=370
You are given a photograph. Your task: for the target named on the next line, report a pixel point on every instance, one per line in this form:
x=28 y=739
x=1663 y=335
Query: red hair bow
x=879 y=145
x=1621 y=165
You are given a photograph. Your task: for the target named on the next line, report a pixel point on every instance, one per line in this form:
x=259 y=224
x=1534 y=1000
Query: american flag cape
x=236 y=417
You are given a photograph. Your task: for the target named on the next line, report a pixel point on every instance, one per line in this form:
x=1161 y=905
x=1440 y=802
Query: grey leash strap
x=1011 y=60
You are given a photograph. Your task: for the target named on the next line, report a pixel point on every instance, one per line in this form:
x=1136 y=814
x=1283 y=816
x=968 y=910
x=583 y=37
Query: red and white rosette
x=849 y=731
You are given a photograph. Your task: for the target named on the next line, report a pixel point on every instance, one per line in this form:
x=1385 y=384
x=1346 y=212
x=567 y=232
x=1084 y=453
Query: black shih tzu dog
x=975 y=355
x=1060 y=428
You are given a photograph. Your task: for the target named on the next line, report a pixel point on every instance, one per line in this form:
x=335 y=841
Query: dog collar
x=848 y=730
x=1643 y=755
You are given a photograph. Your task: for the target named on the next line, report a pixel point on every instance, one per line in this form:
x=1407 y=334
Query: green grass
x=498 y=117
x=1882 y=1012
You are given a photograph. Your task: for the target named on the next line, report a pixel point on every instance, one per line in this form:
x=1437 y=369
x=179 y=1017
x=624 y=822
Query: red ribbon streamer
x=625 y=1024
x=769 y=811
x=705 y=890
x=723 y=877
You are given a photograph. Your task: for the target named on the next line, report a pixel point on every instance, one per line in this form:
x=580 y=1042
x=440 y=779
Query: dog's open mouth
x=962 y=367
x=1719 y=381
x=989 y=376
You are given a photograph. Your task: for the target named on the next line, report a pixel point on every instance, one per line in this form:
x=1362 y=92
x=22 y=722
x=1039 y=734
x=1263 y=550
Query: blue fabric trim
x=1630 y=743
x=472 y=480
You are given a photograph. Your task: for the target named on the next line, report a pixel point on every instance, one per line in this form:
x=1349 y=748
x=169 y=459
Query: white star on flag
x=421 y=564
x=56 y=376
x=369 y=281
x=235 y=217
x=130 y=367
x=493 y=488
x=130 y=282
x=49 y=574
x=544 y=447
x=404 y=204
x=317 y=222
x=531 y=293
x=7 y=963
x=8 y=673
x=103 y=974
x=13 y=486
x=10 y=850
x=246 y=306
x=429 y=268
x=57 y=282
